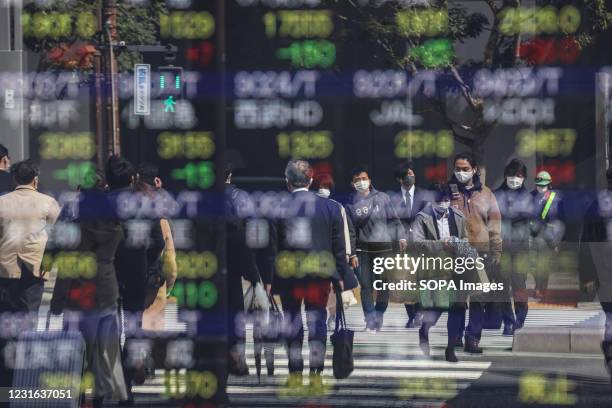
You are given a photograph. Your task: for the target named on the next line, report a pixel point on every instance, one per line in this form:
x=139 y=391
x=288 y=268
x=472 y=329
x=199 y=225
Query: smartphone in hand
x=454 y=190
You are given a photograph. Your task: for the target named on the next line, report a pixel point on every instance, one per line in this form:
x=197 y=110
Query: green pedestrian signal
x=169 y=104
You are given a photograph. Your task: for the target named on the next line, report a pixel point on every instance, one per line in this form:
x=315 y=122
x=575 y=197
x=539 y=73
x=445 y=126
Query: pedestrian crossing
x=390 y=369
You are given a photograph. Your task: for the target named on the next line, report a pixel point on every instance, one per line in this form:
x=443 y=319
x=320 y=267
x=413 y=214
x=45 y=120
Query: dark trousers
x=372 y=312
x=314 y=295
x=454 y=325
x=101 y=332
x=236 y=324
x=517 y=316
x=429 y=319
x=413 y=311
x=21 y=295
x=456 y=321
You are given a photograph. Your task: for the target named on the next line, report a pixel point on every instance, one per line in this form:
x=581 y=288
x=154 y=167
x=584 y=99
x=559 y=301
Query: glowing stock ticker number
x=190 y=145
x=421 y=143
x=71 y=265
x=539 y=20
x=422 y=22
x=195 y=294
x=189 y=25
x=538 y=388
x=300 y=264
x=548 y=142
x=562 y=172
x=309 y=53
x=193 y=265
x=77 y=174
x=59 y=25
x=62 y=146
x=427 y=388
x=306 y=145
x=196 y=175
x=202 y=384
x=298 y=23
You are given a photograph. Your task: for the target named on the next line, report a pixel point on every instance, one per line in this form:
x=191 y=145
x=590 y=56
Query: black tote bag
x=342 y=341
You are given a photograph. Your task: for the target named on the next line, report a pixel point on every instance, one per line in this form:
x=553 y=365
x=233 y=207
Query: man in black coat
x=408 y=202
x=241 y=263
x=310 y=254
x=6 y=180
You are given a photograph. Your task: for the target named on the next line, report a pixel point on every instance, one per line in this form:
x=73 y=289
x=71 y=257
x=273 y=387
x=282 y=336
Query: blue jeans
x=373 y=313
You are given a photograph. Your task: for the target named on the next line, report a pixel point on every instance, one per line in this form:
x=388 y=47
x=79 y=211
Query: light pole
x=109 y=29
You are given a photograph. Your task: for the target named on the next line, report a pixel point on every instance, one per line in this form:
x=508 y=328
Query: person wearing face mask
x=6 y=181
x=515 y=207
x=408 y=202
x=324 y=184
x=377 y=228
x=479 y=205
x=547 y=226
x=437 y=229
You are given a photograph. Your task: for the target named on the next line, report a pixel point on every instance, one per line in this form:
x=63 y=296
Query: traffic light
x=171 y=82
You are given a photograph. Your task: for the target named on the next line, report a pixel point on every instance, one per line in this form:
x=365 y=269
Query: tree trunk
x=478 y=150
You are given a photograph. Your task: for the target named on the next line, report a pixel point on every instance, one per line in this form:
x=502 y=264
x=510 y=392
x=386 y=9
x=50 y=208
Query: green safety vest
x=549 y=202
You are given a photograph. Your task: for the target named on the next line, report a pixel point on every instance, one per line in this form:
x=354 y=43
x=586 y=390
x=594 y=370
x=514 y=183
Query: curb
x=581 y=340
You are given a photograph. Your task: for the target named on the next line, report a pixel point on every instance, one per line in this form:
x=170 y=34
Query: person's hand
x=341 y=284
x=403 y=244
x=354 y=262
x=589 y=286
x=268 y=288
x=446 y=242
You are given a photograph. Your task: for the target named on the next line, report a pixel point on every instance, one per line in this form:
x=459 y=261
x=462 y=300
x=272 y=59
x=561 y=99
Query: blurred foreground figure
x=90 y=304
x=596 y=242
x=25 y=215
x=241 y=263
x=308 y=226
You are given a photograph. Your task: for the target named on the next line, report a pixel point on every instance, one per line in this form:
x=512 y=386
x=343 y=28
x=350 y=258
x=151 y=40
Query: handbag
x=342 y=341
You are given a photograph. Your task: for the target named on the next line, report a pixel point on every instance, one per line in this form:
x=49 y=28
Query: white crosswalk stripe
x=390 y=369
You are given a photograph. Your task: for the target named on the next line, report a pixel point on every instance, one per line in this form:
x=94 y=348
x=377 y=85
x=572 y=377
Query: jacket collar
x=25 y=187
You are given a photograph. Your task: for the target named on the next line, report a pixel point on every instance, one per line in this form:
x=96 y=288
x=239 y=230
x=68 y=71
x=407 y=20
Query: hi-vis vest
x=549 y=202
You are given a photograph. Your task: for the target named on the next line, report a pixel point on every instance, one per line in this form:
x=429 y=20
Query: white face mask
x=324 y=192
x=542 y=189
x=514 y=183
x=441 y=206
x=362 y=185
x=464 y=177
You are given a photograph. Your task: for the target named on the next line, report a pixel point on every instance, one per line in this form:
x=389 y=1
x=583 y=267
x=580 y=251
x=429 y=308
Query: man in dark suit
x=310 y=255
x=409 y=201
x=6 y=181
